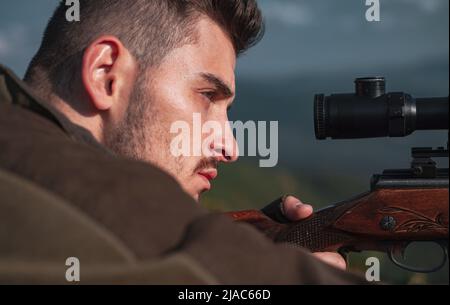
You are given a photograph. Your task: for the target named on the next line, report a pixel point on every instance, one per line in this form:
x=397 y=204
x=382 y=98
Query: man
x=91 y=129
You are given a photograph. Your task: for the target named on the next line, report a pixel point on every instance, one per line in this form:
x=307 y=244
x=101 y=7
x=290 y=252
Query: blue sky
x=301 y=37
x=323 y=35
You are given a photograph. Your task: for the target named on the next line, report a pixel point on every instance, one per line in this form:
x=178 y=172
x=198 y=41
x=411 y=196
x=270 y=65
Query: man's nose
x=226 y=148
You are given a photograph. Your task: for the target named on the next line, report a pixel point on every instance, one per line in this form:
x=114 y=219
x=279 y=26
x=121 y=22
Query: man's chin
x=197 y=190
x=194 y=195
x=196 y=198
x=198 y=195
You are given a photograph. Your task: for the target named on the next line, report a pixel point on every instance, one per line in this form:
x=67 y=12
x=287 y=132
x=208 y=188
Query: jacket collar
x=15 y=92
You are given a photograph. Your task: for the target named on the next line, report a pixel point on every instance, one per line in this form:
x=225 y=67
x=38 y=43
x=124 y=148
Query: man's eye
x=209 y=95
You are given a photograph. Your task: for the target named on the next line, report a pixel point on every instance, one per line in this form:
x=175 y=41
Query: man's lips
x=206 y=176
x=209 y=174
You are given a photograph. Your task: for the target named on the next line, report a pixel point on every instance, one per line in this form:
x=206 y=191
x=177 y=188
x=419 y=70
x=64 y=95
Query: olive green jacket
x=64 y=195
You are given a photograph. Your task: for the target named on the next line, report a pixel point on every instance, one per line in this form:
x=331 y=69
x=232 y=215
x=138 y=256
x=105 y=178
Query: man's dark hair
x=149 y=29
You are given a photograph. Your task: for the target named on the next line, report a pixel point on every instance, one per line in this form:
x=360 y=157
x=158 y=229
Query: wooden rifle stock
x=382 y=220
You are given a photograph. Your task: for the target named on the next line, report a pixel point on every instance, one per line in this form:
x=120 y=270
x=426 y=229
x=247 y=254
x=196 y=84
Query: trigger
x=344 y=253
x=399 y=250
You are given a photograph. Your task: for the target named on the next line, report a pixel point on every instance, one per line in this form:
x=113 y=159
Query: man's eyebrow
x=224 y=89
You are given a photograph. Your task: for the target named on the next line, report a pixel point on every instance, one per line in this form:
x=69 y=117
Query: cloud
x=4 y=47
x=13 y=40
x=426 y=6
x=287 y=12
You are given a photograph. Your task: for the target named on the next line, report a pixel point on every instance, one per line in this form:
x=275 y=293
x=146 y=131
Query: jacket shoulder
x=40 y=231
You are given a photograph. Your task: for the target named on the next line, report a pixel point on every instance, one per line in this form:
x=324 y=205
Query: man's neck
x=89 y=121
x=84 y=118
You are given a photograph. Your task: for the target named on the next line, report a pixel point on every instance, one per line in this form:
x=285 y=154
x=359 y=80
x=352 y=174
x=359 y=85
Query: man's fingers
x=333 y=259
x=295 y=210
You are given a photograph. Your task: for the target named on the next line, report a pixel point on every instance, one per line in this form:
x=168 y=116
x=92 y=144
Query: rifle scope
x=371 y=113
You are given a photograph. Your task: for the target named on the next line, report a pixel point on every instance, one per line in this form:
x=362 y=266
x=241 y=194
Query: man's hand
x=295 y=210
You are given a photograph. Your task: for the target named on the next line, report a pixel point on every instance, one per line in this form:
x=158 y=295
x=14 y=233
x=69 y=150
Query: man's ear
x=107 y=72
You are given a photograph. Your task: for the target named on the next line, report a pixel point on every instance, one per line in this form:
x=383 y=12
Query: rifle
x=403 y=205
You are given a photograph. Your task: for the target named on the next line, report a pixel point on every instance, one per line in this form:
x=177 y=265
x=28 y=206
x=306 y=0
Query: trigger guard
x=392 y=257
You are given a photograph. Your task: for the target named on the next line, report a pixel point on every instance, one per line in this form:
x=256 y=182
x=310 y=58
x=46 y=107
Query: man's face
x=195 y=78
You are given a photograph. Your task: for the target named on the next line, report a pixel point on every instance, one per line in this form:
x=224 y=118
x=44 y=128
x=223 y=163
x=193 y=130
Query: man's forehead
x=211 y=53
x=215 y=49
